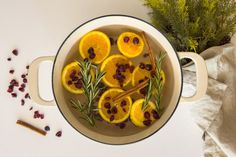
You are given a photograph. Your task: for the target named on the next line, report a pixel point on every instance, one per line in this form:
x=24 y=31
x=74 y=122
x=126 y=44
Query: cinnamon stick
x=29 y=126
x=130 y=91
x=150 y=52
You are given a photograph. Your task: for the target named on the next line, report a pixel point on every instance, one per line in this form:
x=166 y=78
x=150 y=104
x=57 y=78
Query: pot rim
x=68 y=121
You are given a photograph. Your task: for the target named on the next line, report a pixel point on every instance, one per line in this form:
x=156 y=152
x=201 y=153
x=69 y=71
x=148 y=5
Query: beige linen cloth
x=215 y=113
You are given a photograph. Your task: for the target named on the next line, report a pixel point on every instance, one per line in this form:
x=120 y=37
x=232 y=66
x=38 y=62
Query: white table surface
x=37 y=28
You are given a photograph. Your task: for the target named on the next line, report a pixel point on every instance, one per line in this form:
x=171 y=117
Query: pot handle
x=33 y=81
x=201 y=72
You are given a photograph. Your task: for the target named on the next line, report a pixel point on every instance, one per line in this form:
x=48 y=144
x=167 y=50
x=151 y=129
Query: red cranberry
x=69 y=82
x=47 y=128
x=143 y=91
x=92 y=55
x=11 y=71
x=78 y=85
x=112 y=118
x=27 y=96
x=10 y=89
x=114 y=110
x=22 y=85
x=23 y=76
x=107 y=105
x=126 y=39
x=21 y=89
x=22 y=102
x=14 y=95
x=15 y=52
x=155 y=114
x=147 y=115
x=31 y=108
x=148 y=67
x=135 y=40
x=147 y=122
x=123 y=103
x=25 y=80
x=9 y=59
x=122 y=125
x=145 y=55
x=108 y=98
x=27 y=67
x=141 y=65
x=59 y=133
x=90 y=50
x=42 y=116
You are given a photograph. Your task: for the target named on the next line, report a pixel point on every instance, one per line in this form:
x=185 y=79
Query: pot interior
x=104 y=132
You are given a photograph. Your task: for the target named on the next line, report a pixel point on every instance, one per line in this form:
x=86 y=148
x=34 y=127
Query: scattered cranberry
x=143 y=91
x=9 y=59
x=126 y=39
x=145 y=55
x=108 y=98
x=92 y=55
x=155 y=114
x=14 y=95
x=123 y=103
x=11 y=71
x=147 y=115
x=22 y=85
x=10 y=89
x=15 y=52
x=107 y=105
x=135 y=40
x=148 y=67
x=69 y=82
x=38 y=115
x=25 y=80
x=141 y=65
x=23 y=76
x=90 y=50
x=59 y=133
x=27 y=67
x=31 y=108
x=147 y=122
x=27 y=96
x=21 y=89
x=122 y=125
x=114 y=110
x=124 y=109
x=47 y=128
x=78 y=85
x=112 y=118
x=22 y=102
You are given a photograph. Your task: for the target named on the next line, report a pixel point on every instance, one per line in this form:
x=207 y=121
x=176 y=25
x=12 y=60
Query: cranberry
x=107 y=105
x=21 y=89
x=145 y=55
x=59 y=133
x=124 y=109
x=42 y=116
x=31 y=108
x=141 y=65
x=148 y=67
x=25 y=80
x=86 y=59
x=75 y=78
x=11 y=71
x=147 y=122
x=27 y=96
x=23 y=76
x=9 y=59
x=114 y=110
x=108 y=98
x=123 y=103
x=69 y=82
x=122 y=125
x=78 y=85
x=112 y=118
x=73 y=73
x=92 y=55
x=15 y=52
x=143 y=91
x=90 y=50
x=27 y=67
x=47 y=128
x=22 y=102
x=155 y=114
x=147 y=115
x=22 y=85
x=135 y=40
x=126 y=39
x=14 y=95
x=111 y=41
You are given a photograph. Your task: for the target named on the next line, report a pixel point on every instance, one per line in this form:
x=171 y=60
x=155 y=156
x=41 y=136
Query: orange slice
x=118 y=70
x=114 y=112
x=130 y=44
x=142 y=118
x=71 y=80
x=95 y=45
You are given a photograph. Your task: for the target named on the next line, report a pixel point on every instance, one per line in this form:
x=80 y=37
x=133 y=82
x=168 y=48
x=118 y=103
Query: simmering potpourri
x=108 y=80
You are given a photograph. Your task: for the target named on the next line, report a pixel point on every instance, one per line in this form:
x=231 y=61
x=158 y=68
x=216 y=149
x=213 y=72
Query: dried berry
x=90 y=50
x=59 y=133
x=47 y=128
x=11 y=71
x=112 y=118
x=135 y=40
x=107 y=105
x=69 y=82
x=145 y=55
x=78 y=85
x=126 y=39
x=92 y=55
x=27 y=96
x=22 y=102
x=31 y=108
x=22 y=85
x=21 y=89
x=114 y=110
x=25 y=80
x=123 y=103
x=122 y=125
x=143 y=91
x=141 y=65
x=107 y=98
x=155 y=114
x=27 y=67
x=147 y=122
x=23 y=76
x=9 y=58
x=148 y=67
x=147 y=115
x=14 y=95
x=15 y=52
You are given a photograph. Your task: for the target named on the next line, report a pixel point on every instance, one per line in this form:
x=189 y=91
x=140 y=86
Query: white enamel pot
x=113 y=25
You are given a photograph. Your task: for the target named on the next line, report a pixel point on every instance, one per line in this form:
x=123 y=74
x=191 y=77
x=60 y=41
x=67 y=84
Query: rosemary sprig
x=155 y=85
x=91 y=89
